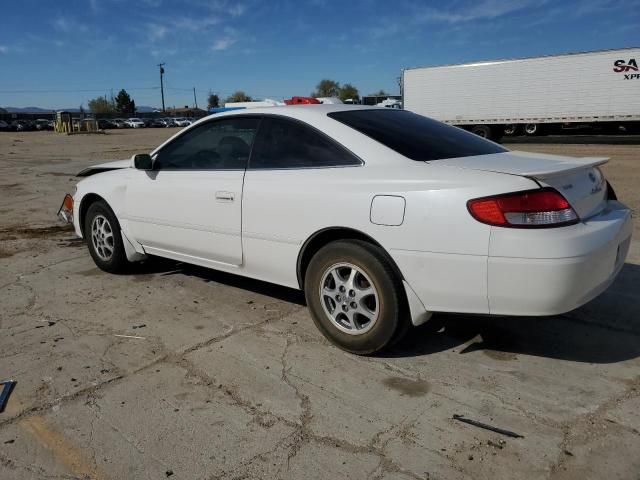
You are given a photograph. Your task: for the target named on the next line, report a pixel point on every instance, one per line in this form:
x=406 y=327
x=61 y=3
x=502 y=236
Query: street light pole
x=161 y=65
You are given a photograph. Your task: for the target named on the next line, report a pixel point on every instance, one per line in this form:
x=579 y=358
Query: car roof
x=301 y=112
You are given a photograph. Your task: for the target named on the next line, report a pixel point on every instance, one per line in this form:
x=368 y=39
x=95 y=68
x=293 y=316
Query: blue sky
x=62 y=53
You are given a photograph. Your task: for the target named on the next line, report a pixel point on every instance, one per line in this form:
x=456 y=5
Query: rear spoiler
x=575 y=165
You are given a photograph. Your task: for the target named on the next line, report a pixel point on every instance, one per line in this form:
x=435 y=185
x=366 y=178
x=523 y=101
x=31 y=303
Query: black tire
x=116 y=262
x=483 y=131
x=511 y=130
x=532 y=129
x=392 y=320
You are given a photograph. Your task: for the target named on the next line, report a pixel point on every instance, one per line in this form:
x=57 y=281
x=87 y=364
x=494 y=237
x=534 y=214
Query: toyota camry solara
x=381 y=216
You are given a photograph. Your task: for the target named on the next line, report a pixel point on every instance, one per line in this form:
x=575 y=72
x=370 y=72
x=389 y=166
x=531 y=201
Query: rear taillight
x=545 y=207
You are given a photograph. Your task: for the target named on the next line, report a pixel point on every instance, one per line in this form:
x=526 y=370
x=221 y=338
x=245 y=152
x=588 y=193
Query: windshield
x=414 y=136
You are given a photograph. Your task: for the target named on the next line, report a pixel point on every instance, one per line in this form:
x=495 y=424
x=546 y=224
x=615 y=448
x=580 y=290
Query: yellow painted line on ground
x=63 y=451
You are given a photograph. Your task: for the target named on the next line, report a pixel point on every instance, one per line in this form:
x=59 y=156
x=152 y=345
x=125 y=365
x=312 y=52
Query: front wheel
x=102 y=232
x=355 y=297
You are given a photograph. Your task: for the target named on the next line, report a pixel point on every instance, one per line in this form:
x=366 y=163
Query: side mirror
x=143 y=161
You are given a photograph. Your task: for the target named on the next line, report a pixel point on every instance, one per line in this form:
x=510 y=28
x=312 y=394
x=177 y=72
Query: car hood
x=525 y=164
x=104 y=167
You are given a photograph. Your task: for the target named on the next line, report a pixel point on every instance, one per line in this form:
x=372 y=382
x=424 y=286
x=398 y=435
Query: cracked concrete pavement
x=179 y=372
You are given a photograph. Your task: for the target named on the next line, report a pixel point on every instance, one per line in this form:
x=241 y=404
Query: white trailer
x=531 y=95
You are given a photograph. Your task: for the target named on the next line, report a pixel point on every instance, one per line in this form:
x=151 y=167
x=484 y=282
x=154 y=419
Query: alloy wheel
x=349 y=298
x=102 y=237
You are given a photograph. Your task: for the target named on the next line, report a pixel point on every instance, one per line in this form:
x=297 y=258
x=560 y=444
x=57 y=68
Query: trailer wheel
x=483 y=131
x=532 y=129
x=510 y=129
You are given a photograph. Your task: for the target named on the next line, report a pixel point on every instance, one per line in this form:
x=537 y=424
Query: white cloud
x=222 y=7
x=68 y=25
x=237 y=10
x=163 y=53
x=4 y=49
x=156 y=32
x=483 y=10
x=594 y=7
x=223 y=44
x=62 y=24
x=190 y=23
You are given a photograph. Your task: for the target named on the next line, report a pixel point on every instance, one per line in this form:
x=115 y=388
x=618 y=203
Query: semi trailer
x=597 y=91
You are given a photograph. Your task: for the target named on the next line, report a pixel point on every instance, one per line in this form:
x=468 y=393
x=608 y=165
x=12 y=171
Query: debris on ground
x=7 y=388
x=475 y=423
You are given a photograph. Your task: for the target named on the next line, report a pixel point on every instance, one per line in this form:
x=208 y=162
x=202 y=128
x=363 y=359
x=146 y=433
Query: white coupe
x=381 y=216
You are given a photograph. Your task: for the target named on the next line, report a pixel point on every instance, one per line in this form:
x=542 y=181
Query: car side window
x=216 y=145
x=284 y=143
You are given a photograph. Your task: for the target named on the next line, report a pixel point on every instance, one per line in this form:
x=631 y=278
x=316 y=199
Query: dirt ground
x=178 y=372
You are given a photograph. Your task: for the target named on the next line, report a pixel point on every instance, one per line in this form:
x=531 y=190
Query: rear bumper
x=556 y=270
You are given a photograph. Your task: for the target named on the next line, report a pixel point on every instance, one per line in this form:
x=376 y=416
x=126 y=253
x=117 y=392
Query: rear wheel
x=355 y=297
x=102 y=232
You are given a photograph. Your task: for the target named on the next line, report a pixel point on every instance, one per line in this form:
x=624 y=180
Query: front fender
x=109 y=186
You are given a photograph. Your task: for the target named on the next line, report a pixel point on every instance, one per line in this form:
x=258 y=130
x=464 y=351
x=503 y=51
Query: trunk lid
x=577 y=179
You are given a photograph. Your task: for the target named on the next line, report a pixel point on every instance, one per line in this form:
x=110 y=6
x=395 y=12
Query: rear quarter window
x=414 y=136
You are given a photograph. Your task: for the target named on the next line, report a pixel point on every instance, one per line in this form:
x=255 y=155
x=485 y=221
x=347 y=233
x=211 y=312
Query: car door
x=189 y=206
x=299 y=180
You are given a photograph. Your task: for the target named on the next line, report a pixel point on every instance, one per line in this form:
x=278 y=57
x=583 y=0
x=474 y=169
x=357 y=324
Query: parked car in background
x=120 y=123
x=155 y=123
x=381 y=216
x=43 y=124
x=169 y=122
x=21 y=125
x=182 y=122
x=4 y=125
x=106 y=124
x=135 y=123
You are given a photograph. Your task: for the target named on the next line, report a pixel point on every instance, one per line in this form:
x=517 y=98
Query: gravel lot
x=176 y=371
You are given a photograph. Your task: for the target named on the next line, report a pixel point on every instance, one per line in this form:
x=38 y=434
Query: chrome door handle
x=225 y=196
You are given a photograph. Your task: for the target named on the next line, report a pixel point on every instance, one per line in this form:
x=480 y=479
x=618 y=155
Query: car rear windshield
x=414 y=136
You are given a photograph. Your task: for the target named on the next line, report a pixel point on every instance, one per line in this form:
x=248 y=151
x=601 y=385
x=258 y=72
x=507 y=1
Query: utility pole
x=195 y=101
x=161 y=65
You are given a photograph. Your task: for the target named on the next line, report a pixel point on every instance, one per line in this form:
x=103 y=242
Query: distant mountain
x=28 y=110
x=141 y=109
x=146 y=109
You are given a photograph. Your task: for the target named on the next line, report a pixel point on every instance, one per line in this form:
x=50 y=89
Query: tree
x=348 y=91
x=213 y=101
x=101 y=105
x=327 y=88
x=124 y=105
x=380 y=93
x=238 y=96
